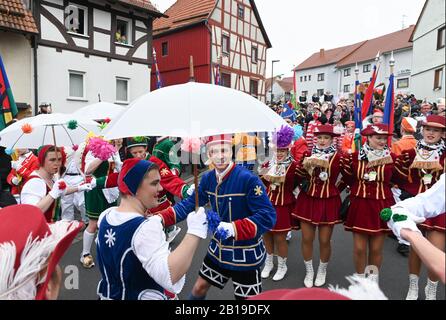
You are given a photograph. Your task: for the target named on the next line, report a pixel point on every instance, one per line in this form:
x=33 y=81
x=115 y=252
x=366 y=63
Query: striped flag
x=157 y=72
x=367 y=103
x=389 y=108
x=8 y=108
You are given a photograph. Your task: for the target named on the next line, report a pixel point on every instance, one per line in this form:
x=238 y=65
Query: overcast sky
x=298 y=28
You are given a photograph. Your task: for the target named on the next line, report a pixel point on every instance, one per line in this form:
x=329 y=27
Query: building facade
x=79 y=52
x=334 y=70
x=224 y=37
x=428 y=38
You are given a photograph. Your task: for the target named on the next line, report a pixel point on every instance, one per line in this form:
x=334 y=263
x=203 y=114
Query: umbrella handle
x=196 y=186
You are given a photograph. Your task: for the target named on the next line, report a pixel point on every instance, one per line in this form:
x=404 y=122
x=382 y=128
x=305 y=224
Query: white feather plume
x=360 y=289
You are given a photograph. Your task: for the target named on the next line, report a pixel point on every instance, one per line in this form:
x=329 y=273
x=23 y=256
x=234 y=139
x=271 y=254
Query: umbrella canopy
x=36 y=131
x=193 y=110
x=99 y=111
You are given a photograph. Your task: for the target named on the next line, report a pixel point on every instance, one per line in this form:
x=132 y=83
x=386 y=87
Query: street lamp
x=391 y=63
x=272 y=78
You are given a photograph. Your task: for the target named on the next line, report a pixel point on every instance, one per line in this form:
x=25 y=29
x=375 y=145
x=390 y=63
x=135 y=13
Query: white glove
x=59 y=189
x=93 y=183
x=197 y=223
x=229 y=227
x=410 y=223
x=190 y=190
x=15 y=181
x=118 y=162
x=15 y=165
x=84 y=187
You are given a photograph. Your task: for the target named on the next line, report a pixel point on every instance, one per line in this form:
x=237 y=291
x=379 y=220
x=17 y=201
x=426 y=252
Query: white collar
x=220 y=176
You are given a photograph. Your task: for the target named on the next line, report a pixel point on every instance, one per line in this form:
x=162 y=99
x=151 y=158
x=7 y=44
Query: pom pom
x=75 y=147
x=101 y=149
x=221 y=234
x=107 y=120
x=9 y=151
x=213 y=221
x=399 y=217
x=139 y=139
x=298 y=132
x=27 y=129
x=72 y=125
x=386 y=214
x=62 y=185
x=283 y=137
x=191 y=145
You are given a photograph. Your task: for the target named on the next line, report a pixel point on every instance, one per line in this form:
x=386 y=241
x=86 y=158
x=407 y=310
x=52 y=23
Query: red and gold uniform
x=282 y=197
x=27 y=164
x=370 y=186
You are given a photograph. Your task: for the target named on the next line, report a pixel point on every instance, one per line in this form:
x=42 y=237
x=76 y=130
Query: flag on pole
x=8 y=108
x=389 y=108
x=217 y=74
x=294 y=93
x=157 y=72
x=367 y=103
x=357 y=114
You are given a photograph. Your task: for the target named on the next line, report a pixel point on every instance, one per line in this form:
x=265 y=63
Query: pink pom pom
x=192 y=145
x=101 y=149
x=75 y=147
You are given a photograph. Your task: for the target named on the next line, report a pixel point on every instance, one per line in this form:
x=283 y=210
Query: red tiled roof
x=389 y=42
x=182 y=13
x=188 y=12
x=286 y=84
x=142 y=4
x=14 y=16
x=359 y=52
x=327 y=57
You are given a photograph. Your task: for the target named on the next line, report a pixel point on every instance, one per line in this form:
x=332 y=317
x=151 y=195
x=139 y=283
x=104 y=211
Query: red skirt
x=363 y=216
x=318 y=211
x=283 y=218
x=435 y=224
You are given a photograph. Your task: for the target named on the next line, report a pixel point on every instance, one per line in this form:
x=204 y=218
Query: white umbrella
x=47 y=129
x=193 y=110
x=99 y=111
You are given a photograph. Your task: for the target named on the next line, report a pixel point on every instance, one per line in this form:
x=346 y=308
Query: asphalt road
x=80 y=283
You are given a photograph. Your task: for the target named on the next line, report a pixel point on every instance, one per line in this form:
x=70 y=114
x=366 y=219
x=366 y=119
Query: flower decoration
x=75 y=147
x=72 y=125
x=27 y=129
x=100 y=148
x=191 y=145
x=107 y=120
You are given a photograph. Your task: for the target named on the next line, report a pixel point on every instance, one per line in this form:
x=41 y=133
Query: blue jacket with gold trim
x=239 y=198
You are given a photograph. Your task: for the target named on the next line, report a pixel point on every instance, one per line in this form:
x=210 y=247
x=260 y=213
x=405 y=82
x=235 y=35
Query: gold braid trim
x=380 y=162
x=435 y=165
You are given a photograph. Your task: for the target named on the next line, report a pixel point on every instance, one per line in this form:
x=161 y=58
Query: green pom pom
x=139 y=139
x=102 y=125
x=72 y=125
x=386 y=214
x=399 y=217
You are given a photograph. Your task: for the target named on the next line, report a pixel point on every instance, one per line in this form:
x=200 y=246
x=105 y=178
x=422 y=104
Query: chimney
x=322 y=52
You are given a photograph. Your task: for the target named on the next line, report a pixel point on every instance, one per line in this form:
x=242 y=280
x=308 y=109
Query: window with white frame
x=122 y=90
x=77 y=19
x=347 y=72
x=321 y=77
x=123 y=30
x=441 y=38
x=254 y=54
x=241 y=11
x=320 y=92
x=402 y=83
x=438 y=79
x=366 y=68
x=76 y=85
x=309 y=78
x=254 y=88
x=346 y=88
x=225 y=44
